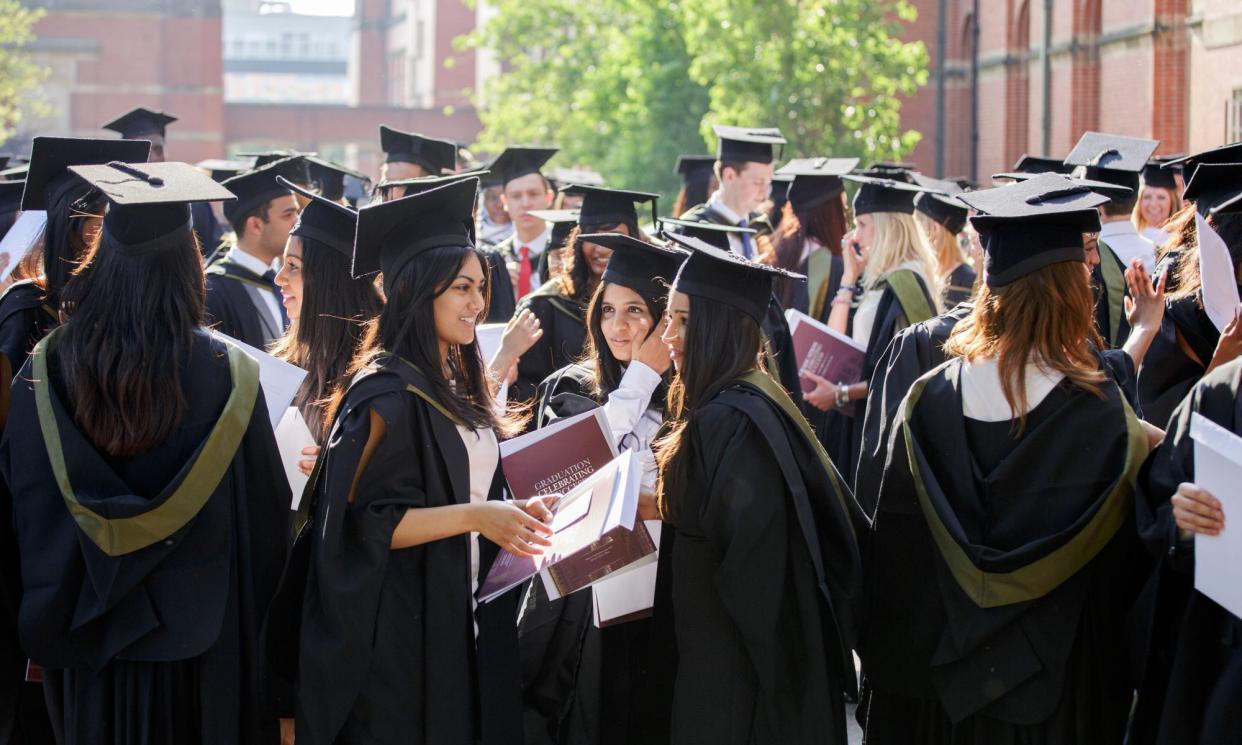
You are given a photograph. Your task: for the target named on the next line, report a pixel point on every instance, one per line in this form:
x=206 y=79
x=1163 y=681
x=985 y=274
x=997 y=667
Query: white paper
x=279 y=379
x=487 y=336
x=25 y=232
x=1220 y=288
x=292 y=436
x=630 y=590
x=1218 y=469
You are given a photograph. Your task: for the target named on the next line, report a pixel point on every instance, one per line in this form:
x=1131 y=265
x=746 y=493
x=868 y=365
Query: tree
x=625 y=86
x=19 y=76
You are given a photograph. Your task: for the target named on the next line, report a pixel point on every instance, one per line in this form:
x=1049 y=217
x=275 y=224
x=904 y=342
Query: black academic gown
x=1108 y=284
x=764 y=575
x=389 y=652
x=961 y=285
x=234 y=308
x=563 y=321
x=1168 y=373
x=1005 y=625
x=208 y=229
x=25 y=318
x=1190 y=648
x=842 y=433
x=148 y=630
x=501 y=304
x=583 y=685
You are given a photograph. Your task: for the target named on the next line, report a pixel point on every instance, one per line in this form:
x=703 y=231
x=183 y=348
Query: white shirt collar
x=717 y=205
x=1120 y=227
x=537 y=245
x=248 y=261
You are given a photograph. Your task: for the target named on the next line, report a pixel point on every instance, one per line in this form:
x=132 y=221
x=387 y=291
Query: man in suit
x=242 y=298
x=524 y=190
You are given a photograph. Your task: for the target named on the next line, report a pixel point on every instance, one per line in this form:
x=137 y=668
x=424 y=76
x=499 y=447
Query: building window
x=1233 y=123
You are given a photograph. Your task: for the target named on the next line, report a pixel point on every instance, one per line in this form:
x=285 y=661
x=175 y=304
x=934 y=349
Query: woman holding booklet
x=583 y=684
x=764 y=575
x=408 y=506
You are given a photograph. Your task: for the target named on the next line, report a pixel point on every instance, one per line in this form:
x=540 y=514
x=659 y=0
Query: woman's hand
x=542 y=507
x=1145 y=303
x=1196 y=511
x=1230 y=344
x=510 y=526
x=520 y=334
x=823 y=396
x=307 y=464
x=854 y=259
x=647 y=347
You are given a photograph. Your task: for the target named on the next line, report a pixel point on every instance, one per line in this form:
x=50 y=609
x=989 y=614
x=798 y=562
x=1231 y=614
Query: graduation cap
x=325 y=220
x=1215 y=187
x=694 y=166
x=581 y=176
x=391 y=234
x=888 y=166
x=258 y=186
x=1155 y=174
x=220 y=169
x=16 y=173
x=724 y=276
x=641 y=266
x=746 y=144
x=1231 y=153
x=563 y=222
x=518 y=161
x=423 y=183
x=883 y=194
x=710 y=233
x=602 y=206
x=1035 y=164
x=328 y=178
x=50 y=158
x=149 y=203
x=434 y=155
x=1028 y=225
x=1113 y=158
x=815 y=180
x=133 y=124
x=940 y=204
x=779 y=190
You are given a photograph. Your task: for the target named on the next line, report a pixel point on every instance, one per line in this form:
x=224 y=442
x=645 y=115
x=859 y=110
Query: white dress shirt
x=634 y=424
x=483 y=454
x=716 y=204
x=256 y=265
x=1124 y=239
x=537 y=246
x=983 y=396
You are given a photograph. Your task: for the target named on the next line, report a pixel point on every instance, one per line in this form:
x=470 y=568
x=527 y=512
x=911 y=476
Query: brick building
x=1013 y=84
x=107 y=56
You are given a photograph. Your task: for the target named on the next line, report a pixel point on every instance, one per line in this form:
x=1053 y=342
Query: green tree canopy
x=624 y=86
x=19 y=76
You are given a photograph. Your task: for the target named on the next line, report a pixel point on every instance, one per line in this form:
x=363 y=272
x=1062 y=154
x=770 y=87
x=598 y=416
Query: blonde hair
x=1175 y=206
x=898 y=240
x=945 y=248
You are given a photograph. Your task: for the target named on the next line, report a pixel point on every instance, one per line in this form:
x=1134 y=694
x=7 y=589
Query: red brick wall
x=453 y=81
x=1170 y=61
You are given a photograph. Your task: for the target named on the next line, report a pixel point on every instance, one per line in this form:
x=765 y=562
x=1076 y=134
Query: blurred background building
x=1008 y=76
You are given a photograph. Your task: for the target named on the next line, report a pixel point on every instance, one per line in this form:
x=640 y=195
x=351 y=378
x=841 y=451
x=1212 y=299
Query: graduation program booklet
x=593 y=536
x=25 y=233
x=628 y=594
x=829 y=354
x=278 y=379
x=553 y=459
x=1218 y=469
x=292 y=436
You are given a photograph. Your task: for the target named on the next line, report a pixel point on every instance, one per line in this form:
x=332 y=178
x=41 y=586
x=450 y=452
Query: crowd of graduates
x=987 y=538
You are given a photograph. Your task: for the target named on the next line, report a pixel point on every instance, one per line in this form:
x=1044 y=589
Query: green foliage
x=624 y=86
x=19 y=76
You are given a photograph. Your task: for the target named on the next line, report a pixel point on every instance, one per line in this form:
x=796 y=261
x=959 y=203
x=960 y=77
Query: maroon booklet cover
x=555 y=458
x=829 y=354
x=593 y=535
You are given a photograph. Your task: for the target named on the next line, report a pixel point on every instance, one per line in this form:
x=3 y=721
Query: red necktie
x=524 y=272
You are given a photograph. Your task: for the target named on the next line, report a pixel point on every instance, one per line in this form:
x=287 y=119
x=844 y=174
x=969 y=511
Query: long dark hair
x=64 y=241
x=606 y=369
x=825 y=222
x=131 y=329
x=575 y=278
x=721 y=344
x=329 y=329
x=695 y=191
x=406 y=328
